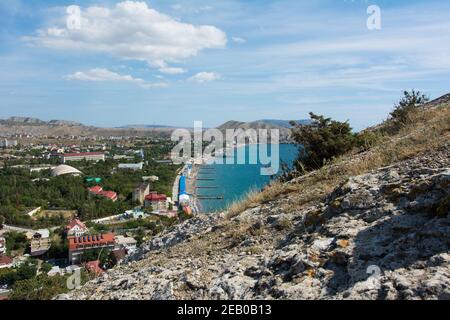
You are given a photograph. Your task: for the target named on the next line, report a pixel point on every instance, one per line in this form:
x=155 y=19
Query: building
x=127 y=243
x=44 y=233
x=76 y=228
x=158 y=202
x=140 y=192
x=88 y=156
x=2 y=245
x=78 y=245
x=65 y=169
x=150 y=178
x=39 y=244
x=5 y=143
x=183 y=197
x=6 y=262
x=98 y=191
x=131 y=166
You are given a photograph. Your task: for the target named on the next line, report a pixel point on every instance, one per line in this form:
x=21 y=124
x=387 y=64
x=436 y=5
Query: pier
x=206 y=187
x=204 y=179
x=210 y=197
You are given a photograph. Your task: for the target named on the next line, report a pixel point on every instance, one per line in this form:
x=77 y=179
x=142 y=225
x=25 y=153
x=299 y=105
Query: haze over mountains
x=37 y=127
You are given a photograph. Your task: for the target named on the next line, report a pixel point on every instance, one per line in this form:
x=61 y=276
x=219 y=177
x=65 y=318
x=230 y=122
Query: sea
x=227 y=183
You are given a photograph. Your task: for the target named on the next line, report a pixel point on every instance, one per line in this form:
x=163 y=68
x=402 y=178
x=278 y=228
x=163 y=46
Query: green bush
x=409 y=103
x=321 y=141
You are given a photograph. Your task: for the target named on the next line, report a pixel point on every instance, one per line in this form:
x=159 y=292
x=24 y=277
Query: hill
x=280 y=125
x=37 y=127
x=369 y=225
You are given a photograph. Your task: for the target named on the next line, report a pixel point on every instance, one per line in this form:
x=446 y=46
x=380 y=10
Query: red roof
x=156 y=197
x=96 y=189
x=109 y=194
x=83 y=154
x=94 y=267
x=90 y=240
x=5 y=260
x=76 y=222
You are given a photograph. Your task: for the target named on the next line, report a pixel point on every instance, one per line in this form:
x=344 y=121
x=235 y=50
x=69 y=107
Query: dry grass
x=427 y=131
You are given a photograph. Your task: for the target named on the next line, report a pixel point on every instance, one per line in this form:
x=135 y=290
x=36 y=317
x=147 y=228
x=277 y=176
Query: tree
x=410 y=102
x=321 y=141
x=41 y=287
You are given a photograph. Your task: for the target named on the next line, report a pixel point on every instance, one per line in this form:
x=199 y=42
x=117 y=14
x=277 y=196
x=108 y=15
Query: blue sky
x=173 y=61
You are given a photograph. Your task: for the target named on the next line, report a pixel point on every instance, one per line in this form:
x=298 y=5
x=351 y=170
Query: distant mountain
x=146 y=126
x=23 y=120
x=39 y=122
x=64 y=123
x=38 y=128
x=284 y=123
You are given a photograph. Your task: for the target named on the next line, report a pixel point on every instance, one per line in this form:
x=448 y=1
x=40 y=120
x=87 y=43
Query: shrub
x=410 y=102
x=321 y=141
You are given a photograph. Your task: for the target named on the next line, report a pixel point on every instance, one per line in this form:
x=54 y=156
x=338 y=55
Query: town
x=82 y=204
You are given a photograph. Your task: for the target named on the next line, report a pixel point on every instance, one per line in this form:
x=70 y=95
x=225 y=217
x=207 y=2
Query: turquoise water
x=233 y=181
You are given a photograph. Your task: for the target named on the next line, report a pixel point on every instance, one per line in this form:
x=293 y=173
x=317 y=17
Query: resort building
x=88 y=156
x=140 y=192
x=65 y=169
x=98 y=191
x=158 y=202
x=76 y=228
x=78 y=245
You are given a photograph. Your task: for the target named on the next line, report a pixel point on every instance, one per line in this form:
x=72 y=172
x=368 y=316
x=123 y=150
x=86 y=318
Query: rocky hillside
x=371 y=225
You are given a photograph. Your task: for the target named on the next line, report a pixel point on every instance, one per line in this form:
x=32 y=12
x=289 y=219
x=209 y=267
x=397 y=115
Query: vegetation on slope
x=412 y=129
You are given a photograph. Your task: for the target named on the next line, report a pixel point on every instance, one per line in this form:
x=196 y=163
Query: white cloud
x=238 y=40
x=133 y=31
x=203 y=77
x=100 y=74
x=164 y=68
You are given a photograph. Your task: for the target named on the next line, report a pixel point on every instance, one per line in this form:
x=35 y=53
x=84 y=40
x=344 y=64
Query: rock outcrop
x=381 y=235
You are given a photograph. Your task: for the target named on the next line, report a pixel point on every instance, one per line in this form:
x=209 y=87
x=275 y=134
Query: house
x=140 y=192
x=76 y=228
x=158 y=202
x=6 y=262
x=98 y=191
x=2 y=245
x=40 y=244
x=127 y=243
x=78 y=245
x=88 y=156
